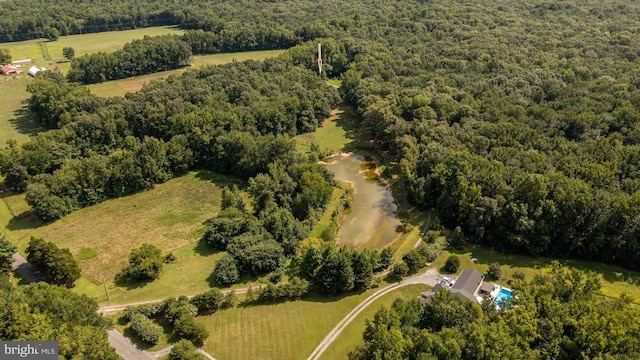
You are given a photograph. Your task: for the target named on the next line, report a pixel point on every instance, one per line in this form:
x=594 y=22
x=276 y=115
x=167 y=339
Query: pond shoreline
x=373 y=217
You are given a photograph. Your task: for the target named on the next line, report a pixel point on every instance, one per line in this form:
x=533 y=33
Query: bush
x=148 y=310
x=186 y=327
x=386 y=259
x=170 y=258
x=183 y=350
x=174 y=310
x=400 y=270
x=57 y=265
x=518 y=275
x=452 y=264
x=208 y=302
x=145 y=263
x=494 y=272
x=230 y=300
x=414 y=260
x=295 y=288
x=146 y=329
x=226 y=271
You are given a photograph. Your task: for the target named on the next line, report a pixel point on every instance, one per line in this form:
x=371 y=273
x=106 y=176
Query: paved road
x=125 y=348
x=430 y=278
x=22 y=267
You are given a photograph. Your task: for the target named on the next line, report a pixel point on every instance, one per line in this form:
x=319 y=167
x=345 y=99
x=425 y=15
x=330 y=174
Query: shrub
x=208 y=302
x=494 y=272
x=226 y=271
x=146 y=329
x=174 y=310
x=148 y=310
x=518 y=275
x=398 y=271
x=452 y=264
x=414 y=260
x=183 y=350
x=295 y=288
x=230 y=300
x=145 y=263
x=186 y=327
x=170 y=258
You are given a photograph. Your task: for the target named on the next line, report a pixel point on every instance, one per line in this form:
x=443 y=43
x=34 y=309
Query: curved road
x=430 y=278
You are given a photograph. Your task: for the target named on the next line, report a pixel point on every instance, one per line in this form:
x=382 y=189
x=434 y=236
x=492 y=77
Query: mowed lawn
x=171 y=215
x=351 y=336
x=288 y=330
x=121 y=87
x=16 y=122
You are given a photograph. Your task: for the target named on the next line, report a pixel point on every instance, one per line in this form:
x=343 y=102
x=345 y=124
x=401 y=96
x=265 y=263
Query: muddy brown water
x=371 y=222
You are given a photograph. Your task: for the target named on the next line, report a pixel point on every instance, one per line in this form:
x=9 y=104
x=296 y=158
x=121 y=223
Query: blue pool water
x=504 y=295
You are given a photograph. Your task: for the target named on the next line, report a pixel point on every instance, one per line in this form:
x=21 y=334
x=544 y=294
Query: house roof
x=487 y=287
x=467 y=284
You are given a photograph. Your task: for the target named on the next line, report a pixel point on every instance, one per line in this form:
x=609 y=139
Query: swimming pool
x=503 y=295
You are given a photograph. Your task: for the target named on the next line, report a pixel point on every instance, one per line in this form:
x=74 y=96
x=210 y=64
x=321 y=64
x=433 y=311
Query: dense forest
x=557 y=316
x=517 y=122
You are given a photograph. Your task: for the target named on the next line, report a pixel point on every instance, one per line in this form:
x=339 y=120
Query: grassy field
x=100 y=237
x=16 y=122
x=289 y=330
x=351 y=336
x=615 y=280
x=121 y=87
x=49 y=53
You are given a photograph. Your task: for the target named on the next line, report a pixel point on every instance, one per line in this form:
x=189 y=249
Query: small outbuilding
x=21 y=62
x=9 y=70
x=34 y=70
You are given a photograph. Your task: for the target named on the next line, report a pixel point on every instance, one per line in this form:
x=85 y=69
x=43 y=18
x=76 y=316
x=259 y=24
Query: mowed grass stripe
x=351 y=336
x=289 y=330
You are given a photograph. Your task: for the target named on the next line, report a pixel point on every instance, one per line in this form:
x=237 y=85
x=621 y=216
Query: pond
x=371 y=221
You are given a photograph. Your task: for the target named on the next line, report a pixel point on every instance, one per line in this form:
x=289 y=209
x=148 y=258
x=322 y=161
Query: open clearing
x=49 y=53
x=288 y=330
x=170 y=216
x=121 y=87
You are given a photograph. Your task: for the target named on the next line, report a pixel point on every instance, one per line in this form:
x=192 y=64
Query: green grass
x=289 y=330
x=335 y=82
x=49 y=53
x=121 y=87
x=615 y=280
x=16 y=122
x=171 y=215
x=100 y=237
x=335 y=134
x=351 y=336
x=189 y=275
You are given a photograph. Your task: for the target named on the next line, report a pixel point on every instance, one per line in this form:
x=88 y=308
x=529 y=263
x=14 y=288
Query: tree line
x=166 y=52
